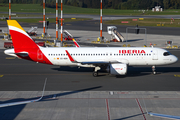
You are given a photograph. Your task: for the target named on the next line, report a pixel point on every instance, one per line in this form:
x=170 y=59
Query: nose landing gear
x=154 y=70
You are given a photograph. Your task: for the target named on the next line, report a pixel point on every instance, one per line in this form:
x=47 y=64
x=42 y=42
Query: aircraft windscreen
x=166 y=53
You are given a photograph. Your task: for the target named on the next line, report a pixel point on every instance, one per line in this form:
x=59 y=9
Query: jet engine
x=117 y=69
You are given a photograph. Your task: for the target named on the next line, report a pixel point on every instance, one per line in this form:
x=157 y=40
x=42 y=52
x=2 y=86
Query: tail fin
x=21 y=40
x=77 y=45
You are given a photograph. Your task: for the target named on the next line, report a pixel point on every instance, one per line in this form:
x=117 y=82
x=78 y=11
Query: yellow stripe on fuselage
x=15 y=24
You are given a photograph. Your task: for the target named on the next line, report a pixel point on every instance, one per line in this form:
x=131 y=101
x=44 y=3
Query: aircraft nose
x=174 y=59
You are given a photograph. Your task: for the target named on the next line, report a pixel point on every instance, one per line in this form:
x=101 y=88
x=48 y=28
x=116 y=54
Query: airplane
x=115 y=60
x=24 y=102
x=76 y=44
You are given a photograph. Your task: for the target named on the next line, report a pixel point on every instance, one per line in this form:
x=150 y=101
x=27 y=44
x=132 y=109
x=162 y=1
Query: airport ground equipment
x=10 y=44
x=6 y=35
x=32 y=31
x=115 y=35
x=67 y=35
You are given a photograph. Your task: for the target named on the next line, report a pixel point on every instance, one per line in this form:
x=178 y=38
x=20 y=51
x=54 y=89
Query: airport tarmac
x=90 y=105
x=136 y=40
x=73 y=93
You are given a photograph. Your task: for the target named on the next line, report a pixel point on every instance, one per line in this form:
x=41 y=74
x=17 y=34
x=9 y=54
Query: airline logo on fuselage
x=132 y=52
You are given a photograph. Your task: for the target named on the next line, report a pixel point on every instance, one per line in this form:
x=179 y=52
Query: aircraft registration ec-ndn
x=113 y=59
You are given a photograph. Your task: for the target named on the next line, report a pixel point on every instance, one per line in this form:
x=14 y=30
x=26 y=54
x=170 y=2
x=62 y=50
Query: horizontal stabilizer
x=22 y=54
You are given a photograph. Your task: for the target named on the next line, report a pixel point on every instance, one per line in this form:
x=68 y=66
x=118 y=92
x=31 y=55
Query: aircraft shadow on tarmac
x=128 y=117
x=132 y=71
x=12 y=112
x=134 y=40
x=138 y=70
x=73 y=69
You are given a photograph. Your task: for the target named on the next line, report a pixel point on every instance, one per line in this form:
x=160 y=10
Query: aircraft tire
x=95 y=74
x=154 y=73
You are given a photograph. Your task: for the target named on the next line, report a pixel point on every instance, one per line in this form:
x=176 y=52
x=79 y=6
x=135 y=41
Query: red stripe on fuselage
x=23 y=43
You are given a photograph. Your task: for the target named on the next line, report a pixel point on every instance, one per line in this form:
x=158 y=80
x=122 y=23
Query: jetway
x=112 y=30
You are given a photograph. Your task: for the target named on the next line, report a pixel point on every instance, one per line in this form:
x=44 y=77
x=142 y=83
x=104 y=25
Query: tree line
x=113 y=4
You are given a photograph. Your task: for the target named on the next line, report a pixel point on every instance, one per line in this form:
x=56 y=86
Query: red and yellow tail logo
x=21 y=40
x=23 y=43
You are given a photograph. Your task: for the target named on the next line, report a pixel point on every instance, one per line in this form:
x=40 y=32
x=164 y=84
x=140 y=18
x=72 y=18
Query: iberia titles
x=132 y=52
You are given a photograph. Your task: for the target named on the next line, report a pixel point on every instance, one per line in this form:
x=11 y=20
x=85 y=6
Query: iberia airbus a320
x=113 y=59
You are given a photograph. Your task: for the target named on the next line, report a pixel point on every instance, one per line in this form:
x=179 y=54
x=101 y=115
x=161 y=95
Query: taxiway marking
x=10 y=58
x=137 y=101
x=107 y=107
x=176 y=75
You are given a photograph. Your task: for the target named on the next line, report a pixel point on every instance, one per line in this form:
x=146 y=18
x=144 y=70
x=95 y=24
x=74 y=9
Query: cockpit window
x=166 y=53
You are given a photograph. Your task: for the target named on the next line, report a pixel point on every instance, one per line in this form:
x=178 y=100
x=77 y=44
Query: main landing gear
x=95 y=73
x=154 y=70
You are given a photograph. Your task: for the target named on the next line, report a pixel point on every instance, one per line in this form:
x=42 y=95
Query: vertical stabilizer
x=24 y=45
x=21 y=40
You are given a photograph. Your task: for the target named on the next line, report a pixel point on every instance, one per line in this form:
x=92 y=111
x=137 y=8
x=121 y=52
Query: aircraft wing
x=24 y=102
x=90 y=62
x=99 y=62
x=95 y=62
x=164 y=116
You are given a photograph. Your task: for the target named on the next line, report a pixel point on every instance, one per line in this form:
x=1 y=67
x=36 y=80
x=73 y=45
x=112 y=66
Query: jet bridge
x=112 y=30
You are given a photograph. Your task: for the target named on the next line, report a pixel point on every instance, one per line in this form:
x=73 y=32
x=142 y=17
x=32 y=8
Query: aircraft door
x=155 y=55
x=39 y=55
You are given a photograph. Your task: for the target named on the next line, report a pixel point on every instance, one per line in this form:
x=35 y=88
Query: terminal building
x=157 y=9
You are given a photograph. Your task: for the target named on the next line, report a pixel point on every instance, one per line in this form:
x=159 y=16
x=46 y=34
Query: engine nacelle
x=117 y=69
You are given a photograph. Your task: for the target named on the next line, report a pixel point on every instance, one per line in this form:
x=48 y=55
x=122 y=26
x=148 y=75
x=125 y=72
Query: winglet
x=77 y=45
x=70 y=57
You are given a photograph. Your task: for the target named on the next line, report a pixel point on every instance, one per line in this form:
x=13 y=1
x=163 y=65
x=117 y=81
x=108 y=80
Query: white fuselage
x=127 y=55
